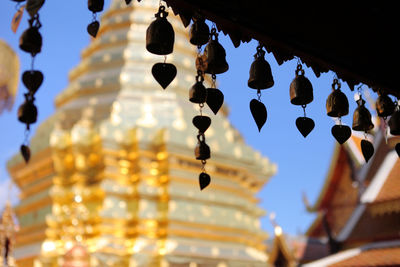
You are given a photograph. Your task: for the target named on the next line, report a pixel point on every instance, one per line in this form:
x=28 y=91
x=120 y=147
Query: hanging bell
x=394 y=122
x=337 y=104
x=198 y=93
x=27 y=112
x=31 y=41
x=260 y=72
x=216 y=56
x=160 y=35
x=301 y=90
x=95 y=5
x=199 y=32
x=362 y=117
x=384 y=105
x=202 y=150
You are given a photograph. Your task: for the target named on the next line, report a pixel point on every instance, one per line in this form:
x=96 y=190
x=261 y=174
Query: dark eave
x=356 y=40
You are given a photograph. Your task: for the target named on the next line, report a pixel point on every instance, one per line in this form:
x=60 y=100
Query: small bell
x=202 y=150
x=199 y=32
x=31 y=41
x=384 y=105
x=160 y=35
x=198 y=93
x=216 y=56
x=260 y=72
x=27 y=112
x=301 y=90
x=337 y=104
x=394 y=122
x=95 y=5
x=362 y=117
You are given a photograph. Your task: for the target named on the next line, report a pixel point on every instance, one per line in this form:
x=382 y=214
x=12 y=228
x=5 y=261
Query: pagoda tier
x=113 y=170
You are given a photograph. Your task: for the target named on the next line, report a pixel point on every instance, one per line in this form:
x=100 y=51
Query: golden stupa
x=113 y=181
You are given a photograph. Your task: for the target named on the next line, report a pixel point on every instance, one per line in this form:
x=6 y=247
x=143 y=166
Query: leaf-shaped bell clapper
x=384 y=105
x=362 y=117
x=337 y=104
x=215 y=55
x=31 y=41
x=394 y=122
x=95 y=5
x=202 y=150
x=27 y=112
x=160 y=36
x=199 y=32
x=198 y=93
x=301 y=90
x=260 y=72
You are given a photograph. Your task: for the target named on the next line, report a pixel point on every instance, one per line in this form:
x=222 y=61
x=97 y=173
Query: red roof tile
x=391 y=189
x=372 y=257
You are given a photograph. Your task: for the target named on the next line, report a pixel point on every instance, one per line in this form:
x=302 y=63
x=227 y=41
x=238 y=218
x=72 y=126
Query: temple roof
x=375 y=254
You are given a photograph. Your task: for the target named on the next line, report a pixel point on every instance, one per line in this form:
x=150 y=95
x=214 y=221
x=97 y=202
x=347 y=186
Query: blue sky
x=302 y=162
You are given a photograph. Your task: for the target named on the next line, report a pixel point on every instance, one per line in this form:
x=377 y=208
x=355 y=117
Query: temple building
x=358 y=209
x=113 y=181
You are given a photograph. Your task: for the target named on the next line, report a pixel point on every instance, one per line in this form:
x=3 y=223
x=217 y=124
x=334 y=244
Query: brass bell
x=202 y=150
x=199 y=32
x=198 y=93
x=215 y=55
x=31 y=41
x=260 y=72
x=160 y=35
x=394 y=122
x=95 y=5
x=384 y=105
x=301 y=90
x=362 y=117
x=337 y=104
x=27 y=112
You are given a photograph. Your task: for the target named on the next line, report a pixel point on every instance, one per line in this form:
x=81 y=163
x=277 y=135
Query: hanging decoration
x=215 y=55
x=213 y=61
x=199 y=35
x=198 y=95
x=160 y=38
x=94 y=6
x=260 y=79
x=384 y=108
x=301 y=94
x=30 y=42
x=362 y=121
x=394 y=121
x=337 y=106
